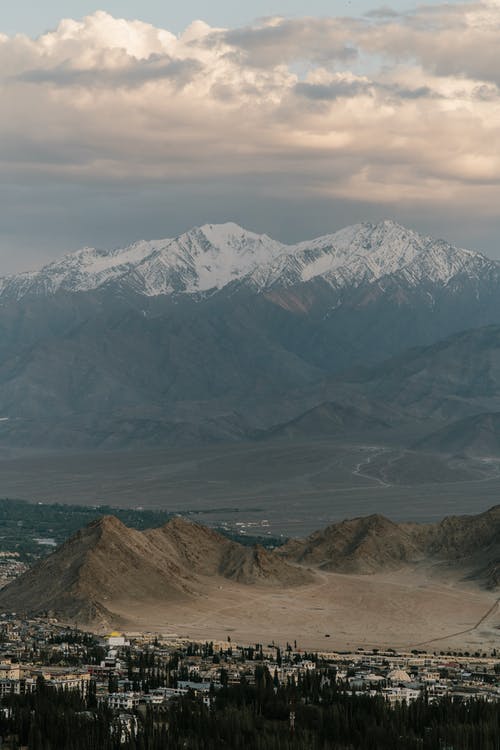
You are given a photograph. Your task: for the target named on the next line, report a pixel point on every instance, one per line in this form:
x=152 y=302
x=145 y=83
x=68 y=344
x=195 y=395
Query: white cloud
x=386 y=109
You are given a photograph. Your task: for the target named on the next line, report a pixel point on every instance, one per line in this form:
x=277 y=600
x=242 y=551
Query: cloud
x=130 y=73
x=388 y=109
x=383 y=12
x=452 y=39
x=279 y=41
x=349 y=87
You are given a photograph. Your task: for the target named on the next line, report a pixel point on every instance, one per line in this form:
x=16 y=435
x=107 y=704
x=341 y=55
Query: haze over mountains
x=223 y=334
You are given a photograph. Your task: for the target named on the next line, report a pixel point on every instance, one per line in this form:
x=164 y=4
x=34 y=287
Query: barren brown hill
x=100 y=563
x=206 y=552
x=469 y=544
x=107 y=563
x=358 y=545
x=461 y=537
x=255 y=565
x=108 y=574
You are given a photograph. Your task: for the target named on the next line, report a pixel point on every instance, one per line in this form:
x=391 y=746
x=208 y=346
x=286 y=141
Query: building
x=116 y=640
x=123 y=701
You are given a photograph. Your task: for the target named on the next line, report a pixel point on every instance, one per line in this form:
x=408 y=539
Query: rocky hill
x=358 y=545
x=107 y=566
x=205 y=552
x=104 y=561
x=470 y=545
x=108 y=563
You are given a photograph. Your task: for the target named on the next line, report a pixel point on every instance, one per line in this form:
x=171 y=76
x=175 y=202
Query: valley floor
x=291 y=488
x=283 y=487
x=409 y=609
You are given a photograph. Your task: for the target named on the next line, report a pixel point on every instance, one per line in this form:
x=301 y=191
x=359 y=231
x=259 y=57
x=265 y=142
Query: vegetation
x=313 y=713
x=33 y=529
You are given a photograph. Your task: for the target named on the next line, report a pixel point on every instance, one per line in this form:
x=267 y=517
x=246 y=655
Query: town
x=131 y=677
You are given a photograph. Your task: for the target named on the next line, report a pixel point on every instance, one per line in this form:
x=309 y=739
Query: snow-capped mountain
x=210 y=257
x=127 y=367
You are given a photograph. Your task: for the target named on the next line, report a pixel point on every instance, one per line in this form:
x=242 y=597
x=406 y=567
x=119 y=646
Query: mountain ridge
x=211 y=257
x=370 y=544
x=112 y=367
x=106 y=564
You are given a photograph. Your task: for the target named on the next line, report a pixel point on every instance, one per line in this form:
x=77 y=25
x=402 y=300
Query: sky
x=34 y=18
x=136 y=120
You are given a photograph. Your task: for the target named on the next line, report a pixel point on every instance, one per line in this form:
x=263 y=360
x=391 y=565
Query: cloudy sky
x=138 y=120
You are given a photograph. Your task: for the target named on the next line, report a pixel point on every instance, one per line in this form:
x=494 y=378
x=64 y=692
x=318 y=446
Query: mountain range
x=209 y=258
x=106 y=567
x=224 y=334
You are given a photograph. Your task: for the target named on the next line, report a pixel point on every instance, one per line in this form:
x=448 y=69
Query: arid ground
x=400 y=610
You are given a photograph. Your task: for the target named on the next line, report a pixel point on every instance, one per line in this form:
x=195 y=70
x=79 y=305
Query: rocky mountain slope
x=456 y=377
x=451 y=390
x=107 y=562
x=222 y=334
x=107 y=566
x=472 y=436
x=359 y=545
x=210 y=257
x=328 y=419
x=469 y=545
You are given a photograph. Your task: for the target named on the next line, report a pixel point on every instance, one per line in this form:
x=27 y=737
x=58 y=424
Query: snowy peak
x=365 y=253
x=230 y=237
x=208 y=258
x=368 y=252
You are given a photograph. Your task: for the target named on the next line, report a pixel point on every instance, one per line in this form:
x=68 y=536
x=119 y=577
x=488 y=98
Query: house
x=115 y=640
x=123 y=701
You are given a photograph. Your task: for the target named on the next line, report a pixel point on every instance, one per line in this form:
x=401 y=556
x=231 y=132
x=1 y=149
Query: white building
x=123 y=701
x=115 y=640
x=10 y=687
x=400 y=694
x=125 y=727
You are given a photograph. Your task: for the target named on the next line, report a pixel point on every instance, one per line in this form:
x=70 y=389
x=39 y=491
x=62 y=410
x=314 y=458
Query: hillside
x=103 y=561
x=359 y=545
x=205 y=552
x=467 y=545
x=450 y=389
x=459 y=375
x=106 y=565
x=328 y=419
x=107 y=568
x=222 y=334
x=473 y=436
